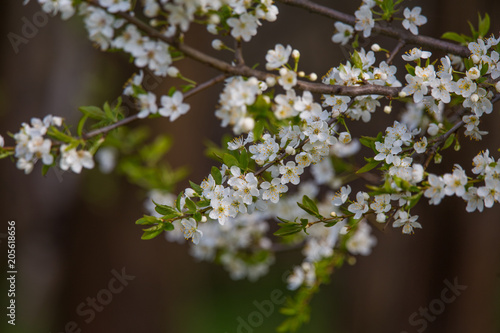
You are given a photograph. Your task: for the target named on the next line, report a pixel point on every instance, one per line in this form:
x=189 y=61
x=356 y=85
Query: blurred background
x=75 y=233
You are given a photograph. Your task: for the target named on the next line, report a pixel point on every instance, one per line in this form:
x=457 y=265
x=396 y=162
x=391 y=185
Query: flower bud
x=301 y=74
x=290 y=150
x=497 y=86
x=296 y=54
x=388 y=109
x=203 y=218
x=433 y=129
x=214 y=19
x=333 y=214
x=313 y=77
x=474 y=98
x=212 y=28
x=375 y=47
x=217 y=44
x=248 y=124
x=402 y=94
x=475 y=59
x=271 y=81
x=172 y=71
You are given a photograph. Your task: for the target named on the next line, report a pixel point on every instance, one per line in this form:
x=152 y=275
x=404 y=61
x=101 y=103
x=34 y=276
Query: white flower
x=474 y=201
x=243 y=27
x=381 y=204
x=291 y=173
x=172 y=106
x=106 y=159
x=76 y=160
x=271 y=190
x=364 y=20
x=191 y=230
x=278 y=57
x=406 y=221
x=344 y=33
x=415 y=54
x=455 y=183
x=1 y=141
x=420 y=146
x=359 y=207
x=341 y=197
x=362 y=241
x=413 y=19
x=114 y=6
x=415 y=86
x=436 y=190
x=287 y=78
x=147 y=103
x=465 y=87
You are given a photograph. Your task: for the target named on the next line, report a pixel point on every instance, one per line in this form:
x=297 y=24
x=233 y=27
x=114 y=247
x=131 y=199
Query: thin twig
x=396 y=50
x=432 y=43
x=238 y=52
x=134 y=117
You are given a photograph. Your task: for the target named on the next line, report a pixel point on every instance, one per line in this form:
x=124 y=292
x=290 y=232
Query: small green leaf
x=229 y=160
x=288 y=229
x=410 y=69
x=93 y=112
x=308 y=202
x=81 y=123
x=244 y=159
x=164 y=209
x=197 y=188
x=484 y=25
x=454 y=37
x=147 y=220
x=190 y=205
x=168 y=226
x=369 y=166
x=258 y=129
x=217 y=175
x=151 y=234
x=449 y=141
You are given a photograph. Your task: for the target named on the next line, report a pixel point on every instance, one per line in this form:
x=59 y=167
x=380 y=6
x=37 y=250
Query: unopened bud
x=301 y=74
x=333 y=214
x=203 y=218
x=402 y=94
x=375 y=47
x=313 y=77
x=172 y=71
x=290 y=150
x=474 y=98
x=296 y=54
x=475 y=59
x=497 y=86
x=214 y=19
x=388 y=109
x=271 y=81
x=217 y=44
x=248 y=124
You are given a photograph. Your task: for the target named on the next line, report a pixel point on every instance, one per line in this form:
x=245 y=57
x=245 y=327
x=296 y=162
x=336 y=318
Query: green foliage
x=310 y=207
x=371 y=164
x=482 y=30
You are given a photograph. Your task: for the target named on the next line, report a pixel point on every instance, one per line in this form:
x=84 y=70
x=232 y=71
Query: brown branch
x=246 y=71
x=396 y=50
x=134 y=117
x=400 y=34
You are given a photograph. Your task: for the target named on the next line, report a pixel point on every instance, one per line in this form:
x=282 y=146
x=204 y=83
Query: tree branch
x=134 y=117
x=243 y=70
x=409 y=38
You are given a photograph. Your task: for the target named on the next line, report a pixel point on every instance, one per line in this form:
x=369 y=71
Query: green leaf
x=484 y=25
x=258 y=129
x=190 y=205
x=197 y=188
x=288 y=229
x=168 y=226
x=449 y=141
x=147 y=220
x=81 y=123
x=217 y=175
x=410 y=69
x=229 y=160
x=151 y=234
x=164 y=209
x=93 y=112
x=369 y=166
x=244 y=159
x=308 y=202
x=413 y=200
x=58 y=135
x=454 y=37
